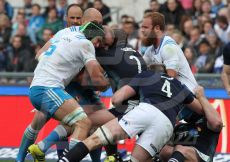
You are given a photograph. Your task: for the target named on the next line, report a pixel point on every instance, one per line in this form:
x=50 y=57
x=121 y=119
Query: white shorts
x=155 y=128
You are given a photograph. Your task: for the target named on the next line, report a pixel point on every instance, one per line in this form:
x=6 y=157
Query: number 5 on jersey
x=50 y=51
x=166 y=88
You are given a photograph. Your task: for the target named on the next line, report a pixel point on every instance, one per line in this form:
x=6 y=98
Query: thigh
x=100 y=117
x=49 y=99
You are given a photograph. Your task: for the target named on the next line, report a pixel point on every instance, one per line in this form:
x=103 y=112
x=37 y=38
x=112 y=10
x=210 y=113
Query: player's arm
x=213 y=118
x=97 y=75
x=86 y=53
x=123 y=94
x=225 y=77
x=171 y=59
x=43 y=49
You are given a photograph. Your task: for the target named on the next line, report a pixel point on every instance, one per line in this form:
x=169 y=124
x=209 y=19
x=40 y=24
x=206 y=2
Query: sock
x=73 y=142
x=56 y=135
x=61 y=146
x=96 y=155
x=111 y=149
x=28 y=139
x=76 y=154
x=177 y=157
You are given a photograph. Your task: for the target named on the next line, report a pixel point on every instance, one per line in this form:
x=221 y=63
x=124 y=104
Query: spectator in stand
x=6 y=8
x=186 y=28
x=28 y=8
x=222 y=28
x=206 y=7
x=178 y=37
x=84 y=4
x=206 y=28
x=3 y=61
x=52 y=22
x=154 y=6
x=61 y=8
x=205 y=61
x=216 y=46
x=196 y=9
x=195 y=38
x=5 y=29
x=169 y=29
x=218 y=4
x=51 y=5
x=190 y=55
x=202 y=19
x=104 y=10
x=46 y=36
x=173 y=12
x=128 y=26
x=20 y=59
x=22 y=32
x=35 y=22
x=19 y=19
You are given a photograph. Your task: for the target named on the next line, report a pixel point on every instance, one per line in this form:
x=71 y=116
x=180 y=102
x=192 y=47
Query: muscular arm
x=213 y=118
x=96 y=74
x=44 y=48
x=225 y=77
x=122 y=94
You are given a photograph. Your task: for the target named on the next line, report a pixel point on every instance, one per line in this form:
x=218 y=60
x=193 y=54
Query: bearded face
x=149 y=39
x=148 y=34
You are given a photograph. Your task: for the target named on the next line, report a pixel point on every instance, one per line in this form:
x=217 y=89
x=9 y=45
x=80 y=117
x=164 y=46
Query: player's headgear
x=92 y=30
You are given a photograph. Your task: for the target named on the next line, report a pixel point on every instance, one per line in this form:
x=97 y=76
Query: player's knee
x=84 y=124
x=75 y=116
x=105 y=136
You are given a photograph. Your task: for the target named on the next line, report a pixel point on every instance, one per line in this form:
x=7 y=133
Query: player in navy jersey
x=161 y=98
x=226 y=68
x=196 y=142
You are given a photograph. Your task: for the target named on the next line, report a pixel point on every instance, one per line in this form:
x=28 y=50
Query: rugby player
x=164 y=50
x=226 y=68
x=73 y=18
x=200 y=139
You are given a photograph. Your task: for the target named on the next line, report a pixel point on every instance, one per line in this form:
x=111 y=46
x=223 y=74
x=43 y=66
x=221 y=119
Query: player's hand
x=199 y=92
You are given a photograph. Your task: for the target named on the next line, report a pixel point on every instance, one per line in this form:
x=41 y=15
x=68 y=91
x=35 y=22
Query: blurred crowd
x=200 y=27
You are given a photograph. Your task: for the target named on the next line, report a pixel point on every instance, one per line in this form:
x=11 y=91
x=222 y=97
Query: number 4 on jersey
x=166 y=88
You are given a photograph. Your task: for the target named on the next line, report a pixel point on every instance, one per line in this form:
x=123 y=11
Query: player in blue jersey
x=74 y=14
x=161 y=98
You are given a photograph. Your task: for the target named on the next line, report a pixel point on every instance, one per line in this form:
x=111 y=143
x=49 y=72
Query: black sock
x=76 y=154
x=111 y=149
x=177 y=157
x=61 y=146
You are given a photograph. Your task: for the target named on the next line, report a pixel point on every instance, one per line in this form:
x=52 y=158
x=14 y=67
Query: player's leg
x=166 y=153
x=156 y=134
x=59 y=105
x=104 y=135
x=57 y=135
x=30 y=134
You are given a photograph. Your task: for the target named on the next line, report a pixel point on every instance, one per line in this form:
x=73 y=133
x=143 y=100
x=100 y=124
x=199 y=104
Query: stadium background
x=16 y=111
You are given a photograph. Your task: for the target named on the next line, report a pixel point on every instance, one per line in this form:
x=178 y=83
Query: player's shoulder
x=148 y=50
